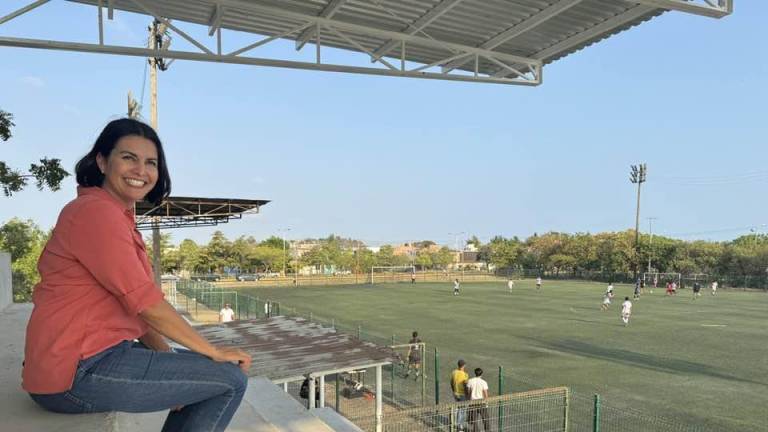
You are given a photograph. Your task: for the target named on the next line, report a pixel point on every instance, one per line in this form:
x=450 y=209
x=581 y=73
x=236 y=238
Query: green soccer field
x=702 y=362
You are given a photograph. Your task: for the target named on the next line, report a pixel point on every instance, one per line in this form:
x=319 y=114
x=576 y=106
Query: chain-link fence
x=544 y=410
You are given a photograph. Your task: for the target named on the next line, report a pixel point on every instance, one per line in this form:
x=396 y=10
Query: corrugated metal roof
x=544 y=30
x=284 y=349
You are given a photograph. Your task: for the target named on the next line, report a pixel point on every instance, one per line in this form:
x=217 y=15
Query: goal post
x=392 y=273
x=661 y=279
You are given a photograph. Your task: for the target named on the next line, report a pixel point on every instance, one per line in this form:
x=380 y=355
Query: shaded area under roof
x=180 y=212
x=286 y=349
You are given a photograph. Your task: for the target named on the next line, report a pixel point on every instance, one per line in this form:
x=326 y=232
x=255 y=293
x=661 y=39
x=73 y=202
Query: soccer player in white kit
x=607 y=297
x=714 y=287
x=510 y=285
x=538 y=283
x=626 y=311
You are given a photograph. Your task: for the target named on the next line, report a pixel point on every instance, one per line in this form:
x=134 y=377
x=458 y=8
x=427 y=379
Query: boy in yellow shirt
x=459 y=379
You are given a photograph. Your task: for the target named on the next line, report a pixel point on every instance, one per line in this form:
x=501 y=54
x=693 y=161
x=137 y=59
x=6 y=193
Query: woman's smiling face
x=130 y=170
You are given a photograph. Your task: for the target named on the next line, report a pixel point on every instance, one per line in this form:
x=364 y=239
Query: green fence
x=351 y=394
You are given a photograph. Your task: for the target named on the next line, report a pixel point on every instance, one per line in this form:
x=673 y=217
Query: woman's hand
x=233 y=355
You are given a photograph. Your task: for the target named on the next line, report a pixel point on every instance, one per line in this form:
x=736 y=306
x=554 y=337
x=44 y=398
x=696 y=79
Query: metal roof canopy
x=288 y=349
x=496 y=41
x=181 y=212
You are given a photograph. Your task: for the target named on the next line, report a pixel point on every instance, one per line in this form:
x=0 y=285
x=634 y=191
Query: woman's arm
x=154 y=340
x=165 y=320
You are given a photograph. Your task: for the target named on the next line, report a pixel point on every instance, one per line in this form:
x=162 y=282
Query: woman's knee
x=234 y=377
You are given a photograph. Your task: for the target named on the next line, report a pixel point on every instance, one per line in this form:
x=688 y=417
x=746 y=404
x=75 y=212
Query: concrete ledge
x=17 y=411
x=6 y=281
x=281 y=409
x=336 y=421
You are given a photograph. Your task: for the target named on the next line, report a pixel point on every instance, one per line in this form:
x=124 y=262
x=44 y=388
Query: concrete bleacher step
x=281 y=409
x=335 y=421
x=245 y=420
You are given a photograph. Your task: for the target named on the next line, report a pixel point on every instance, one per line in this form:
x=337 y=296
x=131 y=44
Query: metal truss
x=178 y=212
x=710 y=8
x=516 y=69
x=147 y=224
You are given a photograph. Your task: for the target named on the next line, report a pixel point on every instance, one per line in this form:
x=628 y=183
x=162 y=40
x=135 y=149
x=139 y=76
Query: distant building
x=468 y=260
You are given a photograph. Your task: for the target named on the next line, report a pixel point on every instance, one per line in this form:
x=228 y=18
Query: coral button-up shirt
x=95 y=280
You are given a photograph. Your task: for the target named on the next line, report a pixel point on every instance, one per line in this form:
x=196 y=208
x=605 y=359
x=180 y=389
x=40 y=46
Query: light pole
x=284 y=230
x=457 y=244
x=650 y=230
x=637 y=176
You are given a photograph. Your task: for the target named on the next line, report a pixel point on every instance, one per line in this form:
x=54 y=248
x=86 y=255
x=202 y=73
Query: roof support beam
x=427 y=19
x=328 y=11
x=215 y=21
x=22 y=11
x=708 y=8
x=520 y=28
x=143 y=6
x=197 y=56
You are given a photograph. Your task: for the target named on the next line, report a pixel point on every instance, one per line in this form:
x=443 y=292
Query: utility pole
x=650 y=230
x=637 y=176
x=157 y=40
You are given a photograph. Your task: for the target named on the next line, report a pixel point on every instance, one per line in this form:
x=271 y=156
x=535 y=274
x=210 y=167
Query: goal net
x=392 y=273
x=660 y=280
x=690 y=279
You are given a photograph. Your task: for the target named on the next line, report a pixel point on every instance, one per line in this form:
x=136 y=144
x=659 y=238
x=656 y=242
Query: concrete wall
x=6 y=290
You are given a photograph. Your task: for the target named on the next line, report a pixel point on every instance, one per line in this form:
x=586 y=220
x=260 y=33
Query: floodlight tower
x=637 y=176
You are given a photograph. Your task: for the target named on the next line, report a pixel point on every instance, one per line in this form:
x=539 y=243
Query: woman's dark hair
x=87 y=170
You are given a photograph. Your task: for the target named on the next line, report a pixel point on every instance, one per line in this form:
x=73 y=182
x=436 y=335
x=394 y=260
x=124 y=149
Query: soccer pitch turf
x=700 y=362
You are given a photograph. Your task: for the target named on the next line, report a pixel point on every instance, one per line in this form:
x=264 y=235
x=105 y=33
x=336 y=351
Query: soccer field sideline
x=559 y=336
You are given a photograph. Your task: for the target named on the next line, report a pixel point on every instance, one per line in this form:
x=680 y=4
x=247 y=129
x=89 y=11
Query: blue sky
x=395 y=160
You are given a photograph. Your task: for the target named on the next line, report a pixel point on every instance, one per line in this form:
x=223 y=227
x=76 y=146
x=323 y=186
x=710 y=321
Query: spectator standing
x=477 y=388
x=226 y=314
x=459 y=378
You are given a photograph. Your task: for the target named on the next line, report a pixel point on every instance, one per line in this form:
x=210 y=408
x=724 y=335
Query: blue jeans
x=131 y=378
x=461 y=413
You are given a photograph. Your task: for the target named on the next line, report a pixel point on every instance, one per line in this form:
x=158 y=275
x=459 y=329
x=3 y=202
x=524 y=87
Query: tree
x=273 y=241
x=48 y=173
x=18 y=237
x=25 y=242
x=443 y=257
x=500 y=252
x=189 y=256
x=423 y=259
x=169 y=257
x=218 y=252
x=6 y=123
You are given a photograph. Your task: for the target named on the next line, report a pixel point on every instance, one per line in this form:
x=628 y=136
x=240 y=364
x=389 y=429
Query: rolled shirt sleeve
x=107 y=244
